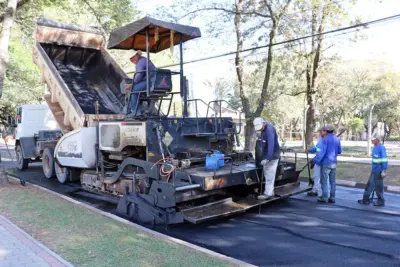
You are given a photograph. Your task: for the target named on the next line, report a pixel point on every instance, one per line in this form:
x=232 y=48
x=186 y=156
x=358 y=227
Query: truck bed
x=78 y=72
x=85 y=74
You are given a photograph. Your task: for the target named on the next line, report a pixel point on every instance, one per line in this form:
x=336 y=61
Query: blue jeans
x=328 y=175
x=134 y=96
x=375 y=182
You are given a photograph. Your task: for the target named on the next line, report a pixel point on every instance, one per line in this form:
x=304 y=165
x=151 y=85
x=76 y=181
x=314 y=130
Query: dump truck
x=163 y=169
x=36 y=134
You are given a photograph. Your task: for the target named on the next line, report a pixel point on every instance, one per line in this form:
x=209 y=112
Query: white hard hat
x=374 y=136
x=258 y=124
x=137 y=52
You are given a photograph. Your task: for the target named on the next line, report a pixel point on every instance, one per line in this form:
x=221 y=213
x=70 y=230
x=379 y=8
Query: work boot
x=312 y=194
x=379 y=203
x=264 y=197
x=331 y=201
x=364 y=201
x=321 y=200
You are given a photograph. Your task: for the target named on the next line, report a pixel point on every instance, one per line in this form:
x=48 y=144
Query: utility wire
x=364 y=24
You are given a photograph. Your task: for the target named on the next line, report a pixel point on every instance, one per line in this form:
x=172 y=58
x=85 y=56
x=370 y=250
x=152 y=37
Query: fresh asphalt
x=293 y=232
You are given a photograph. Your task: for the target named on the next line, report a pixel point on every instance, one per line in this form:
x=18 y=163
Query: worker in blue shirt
x=140 y=80
x=327 y=159
x=316 y=190
x=378 y=172
x=271 y=150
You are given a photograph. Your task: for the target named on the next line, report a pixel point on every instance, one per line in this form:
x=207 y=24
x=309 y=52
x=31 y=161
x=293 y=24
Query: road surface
x=295 y=232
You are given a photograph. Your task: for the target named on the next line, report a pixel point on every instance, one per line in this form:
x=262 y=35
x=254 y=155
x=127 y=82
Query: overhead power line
x=363 y=24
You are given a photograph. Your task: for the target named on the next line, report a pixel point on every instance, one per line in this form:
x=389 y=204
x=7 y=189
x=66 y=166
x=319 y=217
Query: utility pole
x=369 y=130
x=304 y=127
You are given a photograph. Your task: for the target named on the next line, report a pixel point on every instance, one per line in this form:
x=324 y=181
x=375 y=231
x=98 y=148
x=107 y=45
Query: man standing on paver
x=271 y=151
x=316 y=190
x=327 y=159
x=379 y=167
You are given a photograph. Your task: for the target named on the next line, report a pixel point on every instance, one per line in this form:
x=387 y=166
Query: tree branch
x=235 y=12
x=19 y=4
x=97 y=18
x=295 y=94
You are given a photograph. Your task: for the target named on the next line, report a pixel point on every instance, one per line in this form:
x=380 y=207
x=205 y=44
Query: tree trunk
x=310 y=121
x=312 y=71
x=249 y=135
x=9 y=16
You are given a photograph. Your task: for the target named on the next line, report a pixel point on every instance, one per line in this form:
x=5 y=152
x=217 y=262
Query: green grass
x=358 y=172
x=86 y=238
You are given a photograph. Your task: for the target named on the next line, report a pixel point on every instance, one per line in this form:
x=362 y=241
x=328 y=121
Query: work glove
x=264 y=162
x=383 y=174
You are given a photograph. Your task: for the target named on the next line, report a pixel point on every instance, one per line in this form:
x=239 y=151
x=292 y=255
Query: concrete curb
x=138 y=227
x=61 y=260
x=388 y=188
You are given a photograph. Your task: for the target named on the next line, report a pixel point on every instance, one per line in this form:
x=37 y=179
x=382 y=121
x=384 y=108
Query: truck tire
x=62 y=173
x=22 y=163
x=48 y=163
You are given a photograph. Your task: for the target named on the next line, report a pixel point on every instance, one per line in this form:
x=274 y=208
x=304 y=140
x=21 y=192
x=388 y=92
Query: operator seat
x=160 y=86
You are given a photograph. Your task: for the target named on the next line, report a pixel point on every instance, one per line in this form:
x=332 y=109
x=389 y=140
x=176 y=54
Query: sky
x=381 y=43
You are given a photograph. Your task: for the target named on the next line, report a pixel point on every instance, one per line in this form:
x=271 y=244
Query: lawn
x=358 y=172
x=86 y=238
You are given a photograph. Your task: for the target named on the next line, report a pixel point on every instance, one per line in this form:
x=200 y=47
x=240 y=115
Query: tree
x=9 y=15
x=22 y=83
x=274 y=14
x=313 y=18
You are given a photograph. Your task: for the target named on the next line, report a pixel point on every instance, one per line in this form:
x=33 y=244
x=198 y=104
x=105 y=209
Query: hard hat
x=328 y=127
x=374 y=137
x=258 y=124
x=137 y=52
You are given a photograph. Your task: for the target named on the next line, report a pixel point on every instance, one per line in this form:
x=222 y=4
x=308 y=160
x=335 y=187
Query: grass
x=358 y=172
x=86 y=238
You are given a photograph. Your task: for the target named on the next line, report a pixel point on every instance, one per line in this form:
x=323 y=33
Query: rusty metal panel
x=52 y=32
x=72 y=114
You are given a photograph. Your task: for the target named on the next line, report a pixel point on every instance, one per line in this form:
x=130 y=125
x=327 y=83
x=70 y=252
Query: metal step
x=291 y=189
x=225 y=207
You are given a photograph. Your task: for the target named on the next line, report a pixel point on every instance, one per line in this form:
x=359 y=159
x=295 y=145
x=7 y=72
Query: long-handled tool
x=311 y=181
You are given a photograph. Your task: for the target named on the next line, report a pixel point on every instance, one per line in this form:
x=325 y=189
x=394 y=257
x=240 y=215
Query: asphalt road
x=295 y=232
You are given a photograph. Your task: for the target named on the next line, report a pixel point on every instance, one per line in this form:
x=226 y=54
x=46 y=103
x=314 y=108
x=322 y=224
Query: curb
x=387 y=188
x=61 y=260
x=142 y=228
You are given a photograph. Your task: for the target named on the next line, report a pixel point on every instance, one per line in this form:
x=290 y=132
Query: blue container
x=214 y=161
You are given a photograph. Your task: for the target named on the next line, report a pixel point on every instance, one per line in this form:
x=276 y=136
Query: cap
x=328 y=127
x=374 y=137
x=139 y=52
x=258 y=124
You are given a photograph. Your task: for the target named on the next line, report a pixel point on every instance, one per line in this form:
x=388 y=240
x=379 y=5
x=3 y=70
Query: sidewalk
x=19 y=249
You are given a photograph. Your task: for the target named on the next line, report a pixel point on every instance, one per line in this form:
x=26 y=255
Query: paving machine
x=163 y=169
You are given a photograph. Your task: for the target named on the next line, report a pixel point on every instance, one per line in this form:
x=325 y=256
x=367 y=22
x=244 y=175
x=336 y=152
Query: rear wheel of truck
x=48 y=163
x=22 y=163
x=62 y=173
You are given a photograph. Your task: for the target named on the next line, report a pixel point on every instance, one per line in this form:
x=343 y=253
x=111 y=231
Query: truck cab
x=36 y=131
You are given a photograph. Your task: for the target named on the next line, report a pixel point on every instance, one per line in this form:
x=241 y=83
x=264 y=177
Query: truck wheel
x=48 y=162
x=62 y=173
x=22 y=163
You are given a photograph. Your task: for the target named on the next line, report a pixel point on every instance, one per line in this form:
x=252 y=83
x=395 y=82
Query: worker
x=378 y=173
x=316 y=190
x=327 y=159
x=140 y=80
x=271 y=154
